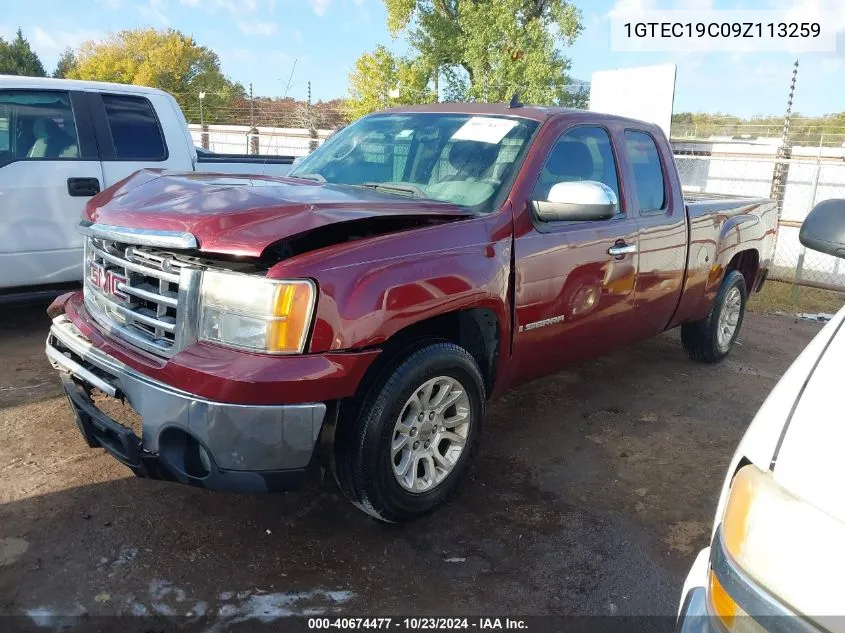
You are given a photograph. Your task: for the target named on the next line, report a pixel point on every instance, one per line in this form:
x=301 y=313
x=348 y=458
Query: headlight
x=789 y=547
x=255 y=313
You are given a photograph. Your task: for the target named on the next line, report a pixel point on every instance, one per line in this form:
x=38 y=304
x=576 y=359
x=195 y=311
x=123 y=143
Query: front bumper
x=184 y=437
x=694 y=615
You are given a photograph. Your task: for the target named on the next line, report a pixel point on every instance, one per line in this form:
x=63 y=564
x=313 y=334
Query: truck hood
x=795 y=432
x=243 y=215
x=809 y=460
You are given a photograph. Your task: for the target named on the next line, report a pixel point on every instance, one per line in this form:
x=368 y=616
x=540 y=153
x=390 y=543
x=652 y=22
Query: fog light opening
x=183 y=453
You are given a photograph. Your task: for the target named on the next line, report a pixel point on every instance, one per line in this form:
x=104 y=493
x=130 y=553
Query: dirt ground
x=594 y=490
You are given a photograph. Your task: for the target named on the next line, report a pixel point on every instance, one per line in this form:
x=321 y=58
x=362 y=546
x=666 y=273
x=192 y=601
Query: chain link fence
x=261 y=125
x=266 y=141
x=806 y=180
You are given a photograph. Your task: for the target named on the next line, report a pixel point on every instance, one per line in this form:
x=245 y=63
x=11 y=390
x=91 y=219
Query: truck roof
x=48 y=83
x=533 y=112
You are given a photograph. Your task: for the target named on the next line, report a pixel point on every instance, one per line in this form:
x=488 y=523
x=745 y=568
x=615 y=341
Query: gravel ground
x=593 y=492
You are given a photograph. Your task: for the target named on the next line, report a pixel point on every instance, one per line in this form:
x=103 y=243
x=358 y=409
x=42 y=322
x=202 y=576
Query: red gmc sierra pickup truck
x=360 y=312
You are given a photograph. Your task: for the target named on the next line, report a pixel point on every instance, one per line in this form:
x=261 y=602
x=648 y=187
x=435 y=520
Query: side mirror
x=577 y=200
x=824 y=228
x=297 y=160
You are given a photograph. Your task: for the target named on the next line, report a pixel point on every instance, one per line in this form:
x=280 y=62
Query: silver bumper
x=695 y=618
x=236 y=437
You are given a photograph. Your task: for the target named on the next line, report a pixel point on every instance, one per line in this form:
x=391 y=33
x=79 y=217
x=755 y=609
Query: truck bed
x=701 y=196
x=702 y=204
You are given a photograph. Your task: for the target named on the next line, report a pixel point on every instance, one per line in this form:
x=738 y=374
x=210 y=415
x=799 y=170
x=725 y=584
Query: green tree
x=18 y=58
x=485 y=49
x=376 y=78
x=509 y=47
x=578 y=96
x=67 y=62
x=164 y=59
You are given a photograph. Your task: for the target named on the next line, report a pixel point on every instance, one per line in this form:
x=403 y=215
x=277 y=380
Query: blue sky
x=258 y=41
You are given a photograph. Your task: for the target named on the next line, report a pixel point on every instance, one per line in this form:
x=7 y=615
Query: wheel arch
x=477 y=330
x=747 y=262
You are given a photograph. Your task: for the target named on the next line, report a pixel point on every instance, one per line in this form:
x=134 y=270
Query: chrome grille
x=140 y=294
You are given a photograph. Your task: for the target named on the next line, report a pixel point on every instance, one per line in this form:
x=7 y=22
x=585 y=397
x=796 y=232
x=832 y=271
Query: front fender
x=372 y=288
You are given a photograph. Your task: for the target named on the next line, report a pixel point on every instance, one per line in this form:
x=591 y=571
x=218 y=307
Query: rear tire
x=711 y=339
x=408 y=447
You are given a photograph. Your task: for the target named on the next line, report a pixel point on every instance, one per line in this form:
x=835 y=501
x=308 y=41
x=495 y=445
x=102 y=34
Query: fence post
x=799 y=267
x=253 y=140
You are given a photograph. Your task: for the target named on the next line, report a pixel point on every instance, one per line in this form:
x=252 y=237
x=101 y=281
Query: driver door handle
x=620 y=249
x=83 y=187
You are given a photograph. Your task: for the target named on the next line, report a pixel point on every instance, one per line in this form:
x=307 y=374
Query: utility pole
x=251 y=107
x=788 y=115
x=781 y=171
x=253 y=132
x=312 y=126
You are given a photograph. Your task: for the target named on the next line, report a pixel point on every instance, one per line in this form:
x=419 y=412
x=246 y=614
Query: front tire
x=712 y=338
x=408 y=447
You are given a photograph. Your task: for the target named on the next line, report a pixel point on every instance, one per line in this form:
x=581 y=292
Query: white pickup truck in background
x=61 y=142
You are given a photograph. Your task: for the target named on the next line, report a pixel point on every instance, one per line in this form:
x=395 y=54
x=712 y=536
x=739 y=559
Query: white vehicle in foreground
x=777 y=556
x=63 y=141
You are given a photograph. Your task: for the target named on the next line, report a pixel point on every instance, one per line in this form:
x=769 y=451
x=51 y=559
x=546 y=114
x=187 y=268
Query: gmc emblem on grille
x=106 y=280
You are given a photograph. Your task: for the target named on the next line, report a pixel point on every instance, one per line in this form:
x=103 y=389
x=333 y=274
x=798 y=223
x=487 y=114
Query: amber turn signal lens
x=721 y=603
x=292 y=307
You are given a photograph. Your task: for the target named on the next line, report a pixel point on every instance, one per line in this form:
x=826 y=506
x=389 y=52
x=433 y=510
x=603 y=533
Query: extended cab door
x=49 y=168
x=657 y=202
x=573 y=287
x=137 y=131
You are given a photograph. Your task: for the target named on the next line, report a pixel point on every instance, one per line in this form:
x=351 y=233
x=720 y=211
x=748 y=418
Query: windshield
x=457 y=158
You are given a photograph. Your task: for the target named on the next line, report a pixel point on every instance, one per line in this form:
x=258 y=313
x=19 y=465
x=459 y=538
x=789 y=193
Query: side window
x=36 y=124
x=5 y=137
x=581 y=153
x=648 y=171
x=134 y=128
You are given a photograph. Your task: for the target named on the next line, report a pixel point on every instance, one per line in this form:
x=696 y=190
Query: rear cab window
x=649 y=181
x=37 y=125
x=135 y=129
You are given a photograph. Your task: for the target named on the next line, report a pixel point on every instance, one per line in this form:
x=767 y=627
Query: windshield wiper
x=396 y=188
x=314 y=177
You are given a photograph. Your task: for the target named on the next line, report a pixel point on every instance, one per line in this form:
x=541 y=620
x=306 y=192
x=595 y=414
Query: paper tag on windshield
x=484 y=129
